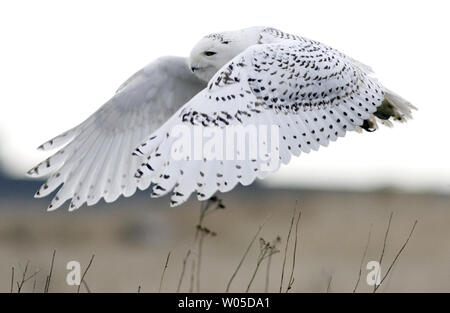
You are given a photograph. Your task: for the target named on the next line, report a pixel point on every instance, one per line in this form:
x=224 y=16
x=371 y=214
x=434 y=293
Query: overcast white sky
x=60 y=61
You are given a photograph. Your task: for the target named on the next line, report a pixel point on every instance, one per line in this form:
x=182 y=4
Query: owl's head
x=215 y=50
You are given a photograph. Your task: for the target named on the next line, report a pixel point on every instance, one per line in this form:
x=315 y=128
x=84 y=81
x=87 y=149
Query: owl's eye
x=209 y=53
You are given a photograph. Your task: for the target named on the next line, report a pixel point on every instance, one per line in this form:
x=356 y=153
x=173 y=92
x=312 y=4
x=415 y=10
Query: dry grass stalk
x=183 y=270
x=267 y=282
x=266 y=250
x=191 y=286
x=34 y=283
x=163 y=272
x=49 y=276
x=362 y=259
x=384 y=247
x=286 y=248
x=211 y=205
x=291 y=277
x=330 y=279
x=85 y=284
x=84 y=274
x=12 y=279
x=245 y=255
x=396 y=256
x=269 y=263
x=25 y=278
x=24 y=273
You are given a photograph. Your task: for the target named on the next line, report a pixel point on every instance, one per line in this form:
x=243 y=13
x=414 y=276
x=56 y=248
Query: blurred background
x=60 y=61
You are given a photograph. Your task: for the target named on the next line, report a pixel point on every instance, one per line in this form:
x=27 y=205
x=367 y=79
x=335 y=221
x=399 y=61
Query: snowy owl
x=257 y=76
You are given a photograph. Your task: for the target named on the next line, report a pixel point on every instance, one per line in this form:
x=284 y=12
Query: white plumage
x=256 y=76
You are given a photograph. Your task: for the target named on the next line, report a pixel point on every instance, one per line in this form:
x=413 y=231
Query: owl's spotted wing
x=96 y=160
x=306 y=93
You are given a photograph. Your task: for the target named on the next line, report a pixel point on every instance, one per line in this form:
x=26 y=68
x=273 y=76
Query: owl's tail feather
x=393 y=109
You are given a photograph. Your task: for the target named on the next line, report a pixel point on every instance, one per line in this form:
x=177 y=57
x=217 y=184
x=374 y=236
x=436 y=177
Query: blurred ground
x=132 y=237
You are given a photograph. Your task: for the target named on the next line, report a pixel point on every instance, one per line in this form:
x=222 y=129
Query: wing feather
x=95 y=160
x=310 y=93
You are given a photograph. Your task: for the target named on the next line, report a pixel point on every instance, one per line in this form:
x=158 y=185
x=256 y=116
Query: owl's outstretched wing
x=95 y=158
x=308 y=92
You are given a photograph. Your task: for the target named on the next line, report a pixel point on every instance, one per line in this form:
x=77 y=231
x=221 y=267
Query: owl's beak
x=193 y=69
